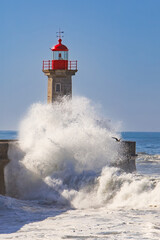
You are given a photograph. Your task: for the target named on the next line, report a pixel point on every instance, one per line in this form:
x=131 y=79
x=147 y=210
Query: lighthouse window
x=66 y=55
x=58 y=87
x=60 y=55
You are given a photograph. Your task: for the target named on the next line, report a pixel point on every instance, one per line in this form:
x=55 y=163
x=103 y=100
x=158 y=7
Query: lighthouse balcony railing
x=48 y=65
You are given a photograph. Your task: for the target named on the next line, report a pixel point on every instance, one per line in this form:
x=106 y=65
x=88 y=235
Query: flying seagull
x=118 y=140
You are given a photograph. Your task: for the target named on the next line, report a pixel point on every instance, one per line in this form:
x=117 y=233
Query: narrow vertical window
x=58 y=87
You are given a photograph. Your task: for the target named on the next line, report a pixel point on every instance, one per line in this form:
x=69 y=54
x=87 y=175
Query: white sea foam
x=64 y=155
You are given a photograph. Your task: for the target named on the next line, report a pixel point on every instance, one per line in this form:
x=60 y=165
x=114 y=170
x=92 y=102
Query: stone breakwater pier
x=127 y=154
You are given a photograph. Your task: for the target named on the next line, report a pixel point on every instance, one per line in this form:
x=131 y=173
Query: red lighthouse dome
x=59 y=46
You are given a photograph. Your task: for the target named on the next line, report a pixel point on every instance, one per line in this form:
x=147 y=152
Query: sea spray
x=64 y=156
x=56 y=137
x=64 y=138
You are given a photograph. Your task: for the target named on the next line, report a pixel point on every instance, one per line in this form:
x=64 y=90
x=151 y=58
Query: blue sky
x=116 y=43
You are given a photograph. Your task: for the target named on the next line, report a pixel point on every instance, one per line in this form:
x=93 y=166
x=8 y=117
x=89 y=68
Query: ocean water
x=8 y=135
x=60 y=183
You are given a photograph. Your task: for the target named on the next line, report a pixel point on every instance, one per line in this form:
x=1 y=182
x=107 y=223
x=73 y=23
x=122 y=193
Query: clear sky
x=116 y=43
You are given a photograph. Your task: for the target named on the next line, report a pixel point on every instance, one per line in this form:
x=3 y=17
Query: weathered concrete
x=62 y=77
x=4 y=160
x=127 y=156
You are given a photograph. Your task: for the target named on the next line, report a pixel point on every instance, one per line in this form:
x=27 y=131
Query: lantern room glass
x=60 y=55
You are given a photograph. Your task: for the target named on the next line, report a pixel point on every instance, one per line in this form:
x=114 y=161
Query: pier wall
x=3 y=162
x=127 y=156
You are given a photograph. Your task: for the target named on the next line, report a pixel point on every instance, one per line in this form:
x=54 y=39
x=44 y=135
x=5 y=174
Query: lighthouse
x=59 y=71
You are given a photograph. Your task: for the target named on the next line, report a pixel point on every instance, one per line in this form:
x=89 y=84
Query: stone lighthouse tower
x=59 y=72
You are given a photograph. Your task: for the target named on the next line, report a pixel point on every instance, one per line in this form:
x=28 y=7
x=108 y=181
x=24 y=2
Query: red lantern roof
x=59 y=46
